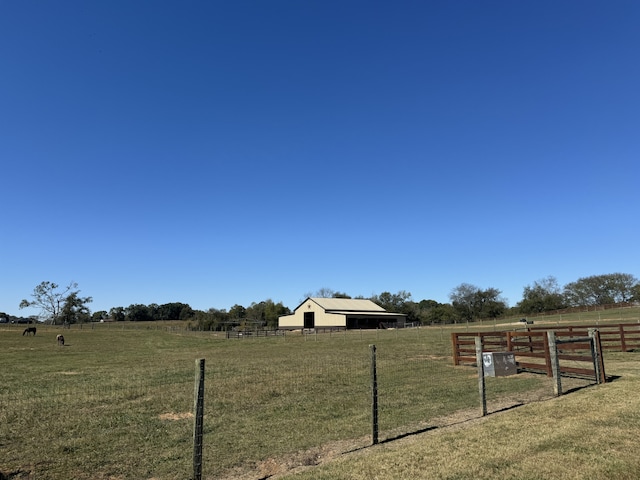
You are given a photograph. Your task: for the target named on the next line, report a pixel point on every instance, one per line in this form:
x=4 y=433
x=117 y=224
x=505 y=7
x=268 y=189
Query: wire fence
x=270 y=404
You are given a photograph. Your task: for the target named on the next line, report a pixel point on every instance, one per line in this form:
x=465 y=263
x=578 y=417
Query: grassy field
x=593 y=317
x=116 y=401
x=589 y=434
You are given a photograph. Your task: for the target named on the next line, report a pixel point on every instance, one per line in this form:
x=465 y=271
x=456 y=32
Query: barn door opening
x=309 y=320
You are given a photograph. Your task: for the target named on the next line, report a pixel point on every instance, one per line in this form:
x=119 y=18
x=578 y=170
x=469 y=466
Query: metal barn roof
x=347 y=304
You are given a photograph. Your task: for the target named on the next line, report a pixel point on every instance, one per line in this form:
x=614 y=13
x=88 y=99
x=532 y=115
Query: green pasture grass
x=115 y=402
x=629 y=314
x=590 y=434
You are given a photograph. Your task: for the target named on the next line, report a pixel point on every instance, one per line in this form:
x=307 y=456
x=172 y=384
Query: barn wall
x=289 y=321
x=322 y=319
x=331 y=320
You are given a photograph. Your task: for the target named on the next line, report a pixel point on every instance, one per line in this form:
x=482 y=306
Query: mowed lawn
x=116 y=403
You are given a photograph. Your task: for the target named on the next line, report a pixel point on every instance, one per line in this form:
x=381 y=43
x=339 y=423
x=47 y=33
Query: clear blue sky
x=220 y=153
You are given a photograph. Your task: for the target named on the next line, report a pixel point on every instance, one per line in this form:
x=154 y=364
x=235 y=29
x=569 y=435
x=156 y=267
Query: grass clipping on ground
x=589 y=433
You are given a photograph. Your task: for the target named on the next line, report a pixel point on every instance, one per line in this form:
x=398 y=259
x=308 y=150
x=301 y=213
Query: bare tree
x=54 y=303
x=326 y=292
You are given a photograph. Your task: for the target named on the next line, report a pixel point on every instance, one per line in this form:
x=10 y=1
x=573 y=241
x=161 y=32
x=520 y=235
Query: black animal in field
x=29 y=331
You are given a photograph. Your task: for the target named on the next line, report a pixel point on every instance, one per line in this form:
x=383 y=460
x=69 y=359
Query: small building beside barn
x=340 y=313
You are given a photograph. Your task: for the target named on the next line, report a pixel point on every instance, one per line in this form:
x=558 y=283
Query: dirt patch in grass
x=175 y=416
x=278 y=467
x=429 y=357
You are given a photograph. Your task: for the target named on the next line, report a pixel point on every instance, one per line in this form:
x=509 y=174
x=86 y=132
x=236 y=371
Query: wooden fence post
x=481 y=382
x=555 y=363
x=454 y=344
x=598 y=342
x=623 y=343
x=595 y=354
x=598 y=359
x=374 y=397
x=547 y=355
x=198 y=421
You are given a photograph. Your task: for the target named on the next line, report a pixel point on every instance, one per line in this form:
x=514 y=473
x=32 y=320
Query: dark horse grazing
x=29 y=330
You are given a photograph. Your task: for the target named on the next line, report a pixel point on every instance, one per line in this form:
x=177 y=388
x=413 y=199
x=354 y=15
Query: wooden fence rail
x=531 y=347
x=620 y=337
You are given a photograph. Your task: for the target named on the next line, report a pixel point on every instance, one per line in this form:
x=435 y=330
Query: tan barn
x=339 y=313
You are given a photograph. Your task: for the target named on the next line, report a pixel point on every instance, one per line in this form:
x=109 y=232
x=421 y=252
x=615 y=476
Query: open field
x=591 y=433
x=116 y=403
x=591 y=316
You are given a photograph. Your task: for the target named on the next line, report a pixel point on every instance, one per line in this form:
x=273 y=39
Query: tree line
x=471 y=303
x=467 y=303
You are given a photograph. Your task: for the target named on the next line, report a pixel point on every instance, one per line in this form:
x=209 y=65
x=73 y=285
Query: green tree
x=273 y=311
x=432 y=312
x=54 y=302
x=212 y=319
x=463 y=300
x=117 y=314
x=543 y=296
x=99 y=315
x=173 y=311
x=75 y=309
x=153 y=311
x=601 y=289
x=266 y=312
x=186 y=312
x=471 y=302
x=393 y=302
x=138 y=313
x=237 y=312
x=492 y=305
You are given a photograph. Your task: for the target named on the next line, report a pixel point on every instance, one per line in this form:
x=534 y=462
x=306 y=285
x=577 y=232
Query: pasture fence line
x=390 y=385
x=587 y=308
x=534 y=352
x=266 y=400
x=620 y=337
x=555 y=354
x=614 y=337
